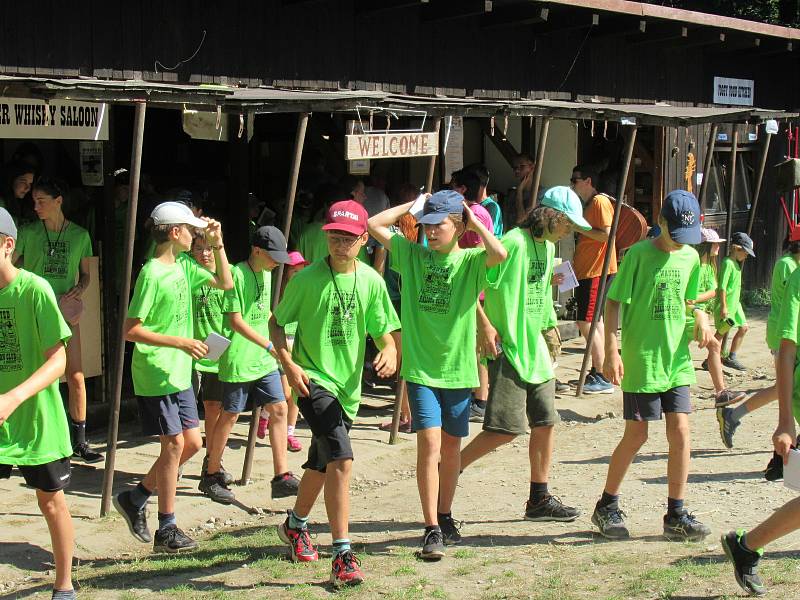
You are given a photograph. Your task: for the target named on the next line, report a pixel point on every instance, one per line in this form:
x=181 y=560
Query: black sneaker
x=704 y=365
x=733 y=363
x=561 y=387
x=476 y=412
x=65 y=595
x=726 y=397
x=550 y=509
x=774 y=470
x=213 y=487
x=727 y=426
x=171 y=539
x=450 y=530
x=86 y=454
x=223 y=475
x=610 y=521
x=135 y=518
x=745 y=563
x=683 y=527
x=285 y=485
x=432 y=545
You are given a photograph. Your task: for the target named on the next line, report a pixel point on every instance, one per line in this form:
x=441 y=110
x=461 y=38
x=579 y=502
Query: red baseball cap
x=348 y=216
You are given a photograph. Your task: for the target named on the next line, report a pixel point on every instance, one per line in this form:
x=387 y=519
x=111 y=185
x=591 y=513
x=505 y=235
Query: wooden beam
x=759 y=179
x=502 y=144
x=368 y=7
x=446 y=11
x=514 y=15
x=731 y=188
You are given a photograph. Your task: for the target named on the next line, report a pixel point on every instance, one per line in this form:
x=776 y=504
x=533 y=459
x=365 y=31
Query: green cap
x=564 y=199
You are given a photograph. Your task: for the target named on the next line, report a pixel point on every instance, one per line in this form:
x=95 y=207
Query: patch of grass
x=464 y=553
x=510 y=574
x=462 y=571
x=421 y=589
x=404 y=570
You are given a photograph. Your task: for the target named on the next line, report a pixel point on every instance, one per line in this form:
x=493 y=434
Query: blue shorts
x=170 y=414
x=440 y=407
x=267 y=390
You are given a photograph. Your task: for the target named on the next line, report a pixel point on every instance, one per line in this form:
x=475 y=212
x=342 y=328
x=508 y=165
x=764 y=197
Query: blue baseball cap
x=682 y=214
x=564 y=199
x=440 y=206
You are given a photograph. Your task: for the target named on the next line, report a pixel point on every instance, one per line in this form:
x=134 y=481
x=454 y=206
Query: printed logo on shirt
x=668 y=305
x=434 y=297
x=182 y=305
x=55 y=259
x=208 y=305
x=342 y=313
x=10 y=355
x=535 y=298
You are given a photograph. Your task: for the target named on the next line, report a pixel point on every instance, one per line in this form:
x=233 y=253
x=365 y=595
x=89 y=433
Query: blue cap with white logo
x=440 y=206
x=682 y=214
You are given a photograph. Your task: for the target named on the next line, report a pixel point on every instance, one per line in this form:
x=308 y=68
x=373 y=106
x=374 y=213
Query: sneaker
x=476 y=412
x=774 y=470
x=727 y=426
x=134 y=517
x=704 y=365
x=597 y=384
x=171 y=539
x=450 y=530
x=65 y=594
x=726 y=397
x=299 y=541
x=733 y=363
x=293 y=444
x=263 y=427
x=432 y=545
x=346 y=569
x=226 y=477
x=745 y=563
x=683 y=527
x=213 y=487
x=86 y=454
x=405 y=426
x=610 y=521
x=550 y=509
x=285 y=485
x=561 y=387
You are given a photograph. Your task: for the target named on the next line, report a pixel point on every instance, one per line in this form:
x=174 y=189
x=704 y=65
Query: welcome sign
x=391 y=145
x=29 y=118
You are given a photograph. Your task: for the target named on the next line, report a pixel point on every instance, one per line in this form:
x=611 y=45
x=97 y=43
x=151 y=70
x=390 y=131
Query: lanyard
x=51 y=246
x=346 y=310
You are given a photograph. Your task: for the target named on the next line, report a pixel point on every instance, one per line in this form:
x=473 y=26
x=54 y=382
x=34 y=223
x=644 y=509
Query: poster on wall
x=738 y=92
x=32 y=119
x=91 y=154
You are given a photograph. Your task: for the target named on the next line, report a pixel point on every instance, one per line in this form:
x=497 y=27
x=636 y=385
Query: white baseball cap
x=175 y=213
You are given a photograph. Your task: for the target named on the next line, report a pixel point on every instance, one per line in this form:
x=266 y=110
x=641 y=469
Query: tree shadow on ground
x=662 y=456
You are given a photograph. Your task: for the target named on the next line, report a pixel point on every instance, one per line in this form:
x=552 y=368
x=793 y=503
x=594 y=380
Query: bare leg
x=337 y=497
x=632 y=440
x=277 y=435
x=62 y=535
x=736 y=343
x=311 y=485
x=715 y=365
x=213 y=408
x=540 y=452
x=216 y=447
x=761 y=398
x=448 y=471
x=679 y=448
x=597 y=349
x=482 y=391
x=429 y=442
x=782 y=522
x=481 y=445
x=723 y=340
x=167 y=474
x=192 y=442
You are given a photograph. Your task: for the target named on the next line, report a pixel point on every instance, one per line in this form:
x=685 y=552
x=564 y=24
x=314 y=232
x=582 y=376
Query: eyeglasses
x=341 y=240
x=574 y=180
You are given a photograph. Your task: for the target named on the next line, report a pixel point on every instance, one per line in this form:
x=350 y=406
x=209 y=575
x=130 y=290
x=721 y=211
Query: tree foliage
x=778 y=12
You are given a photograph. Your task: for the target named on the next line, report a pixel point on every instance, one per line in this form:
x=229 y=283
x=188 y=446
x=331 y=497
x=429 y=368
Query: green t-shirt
x=519 y=303
x=439 y=299
x=207 y=305
x=708 y=282
x=250 y=297
x=162 y=302
x=730 y=280
x=327 y=345
x=31 y=323
x=652 y=286
x=788 y=328
x=785 y=266
x=54 y=255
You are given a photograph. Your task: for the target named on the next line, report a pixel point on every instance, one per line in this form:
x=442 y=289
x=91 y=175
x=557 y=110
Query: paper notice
x=570 y=281
x=791 y=471
x=217 y=344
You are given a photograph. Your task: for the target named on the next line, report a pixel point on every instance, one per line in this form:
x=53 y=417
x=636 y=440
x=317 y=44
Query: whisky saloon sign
x=391 y=145
x=29 y=118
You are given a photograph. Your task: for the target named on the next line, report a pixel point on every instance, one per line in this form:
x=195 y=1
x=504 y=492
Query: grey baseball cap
x=7 y=226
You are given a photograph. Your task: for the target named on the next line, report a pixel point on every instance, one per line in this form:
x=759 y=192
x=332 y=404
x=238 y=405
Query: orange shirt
x=589 y=253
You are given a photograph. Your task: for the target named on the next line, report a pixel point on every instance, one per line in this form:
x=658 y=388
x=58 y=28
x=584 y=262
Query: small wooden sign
x=391 y=145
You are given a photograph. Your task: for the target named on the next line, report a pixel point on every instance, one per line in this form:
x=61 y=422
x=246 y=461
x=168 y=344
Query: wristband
x=220 y=247
x=270 y=347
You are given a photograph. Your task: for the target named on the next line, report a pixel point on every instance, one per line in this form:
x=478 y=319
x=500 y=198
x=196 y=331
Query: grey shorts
x=207 y=386
x=330 y=428
x=514 y=404
x=170 y=414
x=267 y=390
x=651 y=406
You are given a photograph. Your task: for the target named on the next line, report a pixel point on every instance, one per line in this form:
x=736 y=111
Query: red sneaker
x=299 y=542
x=263 y=427
x=346 y=569
x=293 y=444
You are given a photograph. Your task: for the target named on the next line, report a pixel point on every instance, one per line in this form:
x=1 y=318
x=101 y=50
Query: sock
x=342 y=545
x=429 y=528
x=441 y=516
x=538 y=492
x=739 y=412
x=290 y=430
x=164 y=520
x=140 y=495
x=481 y=403
x=732 y=355
x=63 y=595
x=674 y=505
x=296 y=522
x=607 y=500
x=78 y=432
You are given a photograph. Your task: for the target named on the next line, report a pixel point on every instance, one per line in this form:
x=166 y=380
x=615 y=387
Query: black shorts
x=207 y=386
x=170 y=414
x=586 y=296
x=49 y=477
x=651 y=406
x=330 y=428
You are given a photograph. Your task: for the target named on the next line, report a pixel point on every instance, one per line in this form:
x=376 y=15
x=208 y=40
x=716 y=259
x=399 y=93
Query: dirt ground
x=502 y=556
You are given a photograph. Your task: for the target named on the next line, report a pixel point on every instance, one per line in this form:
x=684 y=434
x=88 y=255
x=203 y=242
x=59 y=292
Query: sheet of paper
x=217 y=344
x=570 y=281
x=791 y=471
x=419 y=204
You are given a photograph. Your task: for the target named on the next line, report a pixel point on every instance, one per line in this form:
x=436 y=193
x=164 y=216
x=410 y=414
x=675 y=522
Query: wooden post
x=119 y=355
x=731 y=188
x=601 y=292
x=712 y=142
x=537 y=172
x=106 y=231
x=237 y=222
x=432 y=160
x=759 y=180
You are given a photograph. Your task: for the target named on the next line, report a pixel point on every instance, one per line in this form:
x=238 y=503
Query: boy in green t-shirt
x=34 y=434
x=336 y=302
x=161 y=325
x=517 y=310
x=653 y=284
x=729 y=312
x=248 y=368
x=58 y=250
x=441 y=285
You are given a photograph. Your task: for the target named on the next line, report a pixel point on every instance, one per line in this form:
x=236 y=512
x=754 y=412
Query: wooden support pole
x=119 y=355
x=712 y=142
x=432 y=160
x=759 y=180
x=731 y=188
x=612 y=235
x=537 y=172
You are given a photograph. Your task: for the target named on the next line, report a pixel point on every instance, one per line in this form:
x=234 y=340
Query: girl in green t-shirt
x=729 y=312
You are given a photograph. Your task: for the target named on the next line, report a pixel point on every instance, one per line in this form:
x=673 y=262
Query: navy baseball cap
x=744 y=242
x=682 y=214
x=440 y=206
